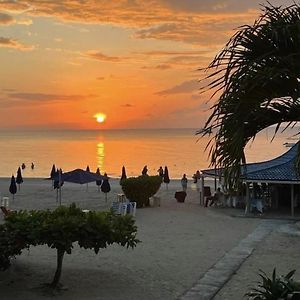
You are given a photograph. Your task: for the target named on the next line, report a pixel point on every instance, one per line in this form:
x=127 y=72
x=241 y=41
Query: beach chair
x=206 y=195
x=131 y=208
x=119 y=208
x=6 y=211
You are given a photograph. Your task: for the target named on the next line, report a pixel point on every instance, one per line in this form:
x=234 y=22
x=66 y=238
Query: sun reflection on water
x=100 y=155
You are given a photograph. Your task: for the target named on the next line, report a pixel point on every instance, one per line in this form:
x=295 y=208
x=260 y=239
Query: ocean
x=179 y=149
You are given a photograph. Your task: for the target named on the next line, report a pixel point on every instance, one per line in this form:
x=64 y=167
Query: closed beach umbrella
x=166 y=177
x=53 y=172
x=98 y=182
x=88 y=170
x=19 y=178
x=105 y=187
x=123 y=176
x=13 y=186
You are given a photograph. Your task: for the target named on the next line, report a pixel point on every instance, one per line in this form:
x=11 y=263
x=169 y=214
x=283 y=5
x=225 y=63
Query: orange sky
x=134 y=60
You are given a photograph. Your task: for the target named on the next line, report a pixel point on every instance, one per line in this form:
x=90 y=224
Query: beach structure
x=77 y=176
x=277 y=178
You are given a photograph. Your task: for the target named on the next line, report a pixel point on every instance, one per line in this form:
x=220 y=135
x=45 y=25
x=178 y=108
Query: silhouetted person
x=145 y=170
x=184 y=182
x=32 y=166
x=160 y=172
x=23 y=166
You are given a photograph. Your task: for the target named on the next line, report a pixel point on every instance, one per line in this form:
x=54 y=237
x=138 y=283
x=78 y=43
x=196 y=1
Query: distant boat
x=289 y=144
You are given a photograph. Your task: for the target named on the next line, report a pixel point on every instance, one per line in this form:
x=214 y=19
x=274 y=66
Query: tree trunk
x=60 y=257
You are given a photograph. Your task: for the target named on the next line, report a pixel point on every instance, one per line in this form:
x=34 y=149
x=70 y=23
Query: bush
x=140 y=189
x=60 y=228
x=274 y=288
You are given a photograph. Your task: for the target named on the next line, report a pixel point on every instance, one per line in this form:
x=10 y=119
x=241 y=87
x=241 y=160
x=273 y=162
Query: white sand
x=180 y=242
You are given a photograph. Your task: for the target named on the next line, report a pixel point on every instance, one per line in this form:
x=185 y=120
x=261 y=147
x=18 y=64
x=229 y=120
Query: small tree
x=60 y=228
x=19 y=178
x=140 y=189
x=13 y=186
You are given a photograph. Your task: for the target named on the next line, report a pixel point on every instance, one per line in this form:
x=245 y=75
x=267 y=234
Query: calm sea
x=179 y=149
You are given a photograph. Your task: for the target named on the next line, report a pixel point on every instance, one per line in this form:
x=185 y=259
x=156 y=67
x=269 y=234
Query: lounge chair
x=6 y=211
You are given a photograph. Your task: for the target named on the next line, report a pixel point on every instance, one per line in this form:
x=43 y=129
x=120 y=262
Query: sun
x=100 y=117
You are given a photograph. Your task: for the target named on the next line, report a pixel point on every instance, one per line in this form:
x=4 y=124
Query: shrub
x=140 y=189
x=60 y=228
x=274 y=288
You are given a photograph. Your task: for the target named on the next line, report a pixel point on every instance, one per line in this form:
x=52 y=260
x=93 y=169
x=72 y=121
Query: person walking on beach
x=160 y=172
x=145 y=170
x=184 y=182
x=23 y=166
x=32 y=166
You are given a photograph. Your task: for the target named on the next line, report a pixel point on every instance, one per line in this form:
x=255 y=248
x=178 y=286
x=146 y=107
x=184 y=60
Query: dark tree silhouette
x=256 y=81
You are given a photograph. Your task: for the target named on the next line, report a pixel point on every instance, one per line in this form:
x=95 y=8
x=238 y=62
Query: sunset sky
x=135 y=61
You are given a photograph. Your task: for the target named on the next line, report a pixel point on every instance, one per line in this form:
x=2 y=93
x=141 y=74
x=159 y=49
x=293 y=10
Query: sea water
x=180 y=149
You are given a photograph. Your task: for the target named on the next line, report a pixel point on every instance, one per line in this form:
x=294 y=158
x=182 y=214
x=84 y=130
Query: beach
x=180 y=242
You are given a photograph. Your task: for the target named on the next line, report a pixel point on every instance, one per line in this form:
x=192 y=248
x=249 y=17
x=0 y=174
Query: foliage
x=274 y=288
x=60 y=229
x=140 y=189
x=256 y=80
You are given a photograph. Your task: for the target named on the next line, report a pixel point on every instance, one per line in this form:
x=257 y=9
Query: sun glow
x=100 y=118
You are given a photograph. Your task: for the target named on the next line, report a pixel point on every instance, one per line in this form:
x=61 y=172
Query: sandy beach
x=179 y=243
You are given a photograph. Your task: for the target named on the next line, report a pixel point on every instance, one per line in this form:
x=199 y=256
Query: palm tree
x=256 y=77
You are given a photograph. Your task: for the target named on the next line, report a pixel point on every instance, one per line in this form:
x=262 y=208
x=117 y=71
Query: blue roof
x=281 y=168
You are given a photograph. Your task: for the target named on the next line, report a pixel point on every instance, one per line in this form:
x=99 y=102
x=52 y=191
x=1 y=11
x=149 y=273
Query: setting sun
x=100 y=118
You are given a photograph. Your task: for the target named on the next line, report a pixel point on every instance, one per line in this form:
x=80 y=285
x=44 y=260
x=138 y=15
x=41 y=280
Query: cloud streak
x=6 y=19
x=15 y=44
x=44 y=97
x=184 y=87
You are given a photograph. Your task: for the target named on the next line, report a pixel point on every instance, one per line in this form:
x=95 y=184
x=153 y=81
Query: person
x=195 y=178
x=160 y=172
x=145 y=170
x=198 y=175
x=215 y=198
x=23 y=166
x=32 y=166
x=184 y=182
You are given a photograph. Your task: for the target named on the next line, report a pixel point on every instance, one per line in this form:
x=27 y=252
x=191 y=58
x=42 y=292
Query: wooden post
x=202 y=190
x=292 y=201
x=247 y=208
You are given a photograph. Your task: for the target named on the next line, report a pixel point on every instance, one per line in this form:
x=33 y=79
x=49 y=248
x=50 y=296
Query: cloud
x=100 y=78
x=191 y=21
x=12 y=43
x=24 y=21
x=42 y=97
x=184 y=87
x=160 y=67
x=127 y=105
x=101 y=57
x=6 y=19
